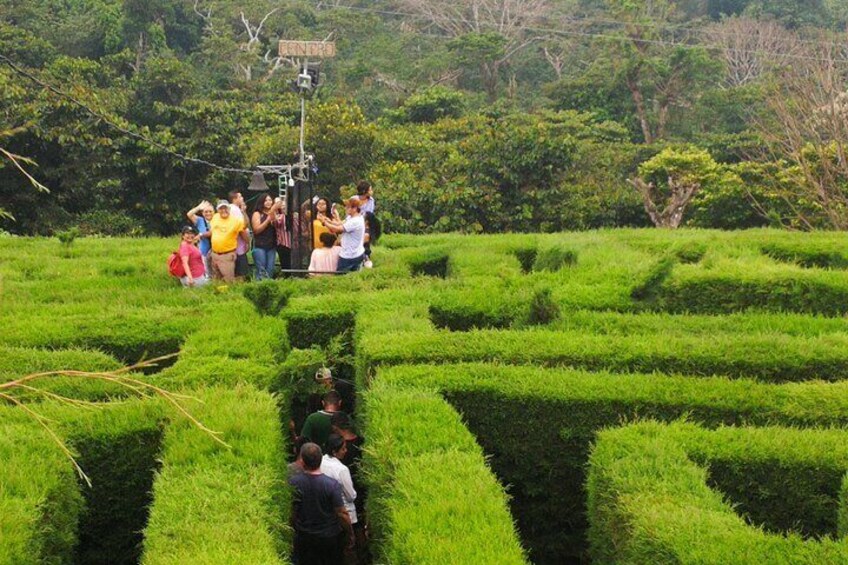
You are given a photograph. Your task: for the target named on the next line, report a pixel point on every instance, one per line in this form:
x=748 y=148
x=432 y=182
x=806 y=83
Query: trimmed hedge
x=526 y=257
x=475 y=308
x=433 y=262
x=40 y=504
x=773 y=358
x=318 y=327
x=690 y=252
x=17 y=362
x=221 y=505
x=650 y=499
x=118 y=448
x=554 y=258
x=49 y=515
x=733 y=288
x=128 y=337
x=432 y=498
x=810 y=256
x=550 y=417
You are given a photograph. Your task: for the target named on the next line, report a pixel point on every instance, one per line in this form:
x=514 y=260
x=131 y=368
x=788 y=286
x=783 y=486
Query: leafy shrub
x=554 y=258
x=429 y=105
x=268 y=297
x=67 y=237
x=543 y=308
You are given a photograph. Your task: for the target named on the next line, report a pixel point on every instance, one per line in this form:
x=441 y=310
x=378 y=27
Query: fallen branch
x=119 y=377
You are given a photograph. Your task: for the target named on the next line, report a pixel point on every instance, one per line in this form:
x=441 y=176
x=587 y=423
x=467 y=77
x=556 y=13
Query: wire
x=111 y=123
x=606 y=36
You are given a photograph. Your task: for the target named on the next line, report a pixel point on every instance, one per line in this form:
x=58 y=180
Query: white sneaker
x=368 y=264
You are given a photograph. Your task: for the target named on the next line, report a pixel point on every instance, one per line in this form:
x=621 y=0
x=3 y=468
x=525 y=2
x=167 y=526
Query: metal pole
x=303 y=117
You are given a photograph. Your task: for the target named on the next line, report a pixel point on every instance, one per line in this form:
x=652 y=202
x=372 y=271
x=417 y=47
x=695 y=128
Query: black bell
x=257 y=183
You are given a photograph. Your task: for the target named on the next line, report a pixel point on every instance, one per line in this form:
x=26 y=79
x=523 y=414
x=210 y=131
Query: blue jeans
x=348 y=265
x=263 y=260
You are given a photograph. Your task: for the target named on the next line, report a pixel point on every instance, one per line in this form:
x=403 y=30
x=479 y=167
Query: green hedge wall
x=733 y=287
x=550 y=417
x=432 y=498
x=767 y=357
x=16 y=362
x=40 y=503
x=431 y=261
x=821 y=255
x=118 y=448
x=221 y=505
x=52 y=516
x=319 y=326
x=650 y=499
x=473 y=308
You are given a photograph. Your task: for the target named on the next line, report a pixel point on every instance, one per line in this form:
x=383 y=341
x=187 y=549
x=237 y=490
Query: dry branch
x=119 y=377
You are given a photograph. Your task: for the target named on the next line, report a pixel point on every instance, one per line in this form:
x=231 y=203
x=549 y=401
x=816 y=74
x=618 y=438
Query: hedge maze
x=608 y=397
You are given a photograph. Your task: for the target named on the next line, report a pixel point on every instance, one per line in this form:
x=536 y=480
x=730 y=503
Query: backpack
x=175 y=265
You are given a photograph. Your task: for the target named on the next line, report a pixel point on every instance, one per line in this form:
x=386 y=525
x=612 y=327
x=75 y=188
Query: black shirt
x=316 y=498
x=268 y=238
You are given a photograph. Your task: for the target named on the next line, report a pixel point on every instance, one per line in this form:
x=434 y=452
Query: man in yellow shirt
x=226 y=230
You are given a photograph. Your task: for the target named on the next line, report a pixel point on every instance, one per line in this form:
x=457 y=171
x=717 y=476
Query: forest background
x=466 y=115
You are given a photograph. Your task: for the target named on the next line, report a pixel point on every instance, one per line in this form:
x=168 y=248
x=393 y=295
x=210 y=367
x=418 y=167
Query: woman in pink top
x=192 y=259
x=325 y=259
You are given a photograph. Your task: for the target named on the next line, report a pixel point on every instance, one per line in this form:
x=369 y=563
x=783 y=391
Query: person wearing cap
x=226 y=230
x=352 y=232
x=192 y=259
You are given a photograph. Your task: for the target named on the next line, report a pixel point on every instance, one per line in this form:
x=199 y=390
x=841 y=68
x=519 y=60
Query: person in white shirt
x=332 y=466
x=352 y=232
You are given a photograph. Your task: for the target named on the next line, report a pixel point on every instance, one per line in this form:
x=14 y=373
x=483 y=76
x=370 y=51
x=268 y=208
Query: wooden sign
x=307 y=49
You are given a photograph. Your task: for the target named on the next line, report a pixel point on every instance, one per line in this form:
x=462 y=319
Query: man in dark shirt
x=317 y=426
x=321 y=522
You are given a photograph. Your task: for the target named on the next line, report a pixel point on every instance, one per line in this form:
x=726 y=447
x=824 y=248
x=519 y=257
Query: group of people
x=215 y=245
x=328 y=512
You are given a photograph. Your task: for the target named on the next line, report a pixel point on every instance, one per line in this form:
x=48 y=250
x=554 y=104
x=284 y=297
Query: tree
x=660 y=73
x=790 y=13
x=669 y=181
x=750 y=48
x=430 y=105
x=481 y=20
x=807 y=125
